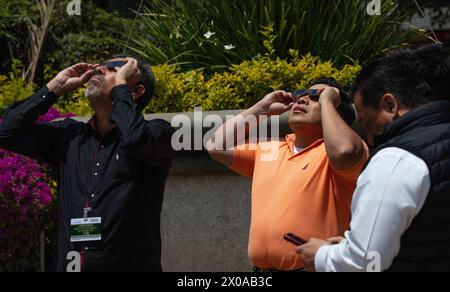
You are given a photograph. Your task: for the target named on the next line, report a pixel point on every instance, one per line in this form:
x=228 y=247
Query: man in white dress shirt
x=401 y=206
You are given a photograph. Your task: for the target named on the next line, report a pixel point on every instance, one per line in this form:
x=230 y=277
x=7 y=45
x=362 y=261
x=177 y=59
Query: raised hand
x=129 y=74
x=276 y=103
x=330 y=94
x=71 y=78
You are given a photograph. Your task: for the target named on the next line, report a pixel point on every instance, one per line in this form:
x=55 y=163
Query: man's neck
x=103 y=121
x=303 y=141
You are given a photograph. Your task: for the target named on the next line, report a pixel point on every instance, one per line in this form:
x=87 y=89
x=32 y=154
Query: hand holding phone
x=294 y=239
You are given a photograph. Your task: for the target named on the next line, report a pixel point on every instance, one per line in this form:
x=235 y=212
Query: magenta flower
x=25 y=193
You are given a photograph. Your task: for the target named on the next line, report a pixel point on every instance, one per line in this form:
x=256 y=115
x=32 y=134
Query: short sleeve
x=350 y=176
x=244 y=157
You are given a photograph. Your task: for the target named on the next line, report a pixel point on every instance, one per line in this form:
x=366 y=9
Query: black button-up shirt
x=120 y=176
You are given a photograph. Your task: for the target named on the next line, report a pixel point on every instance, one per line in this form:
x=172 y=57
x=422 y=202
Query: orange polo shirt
x=301 y=194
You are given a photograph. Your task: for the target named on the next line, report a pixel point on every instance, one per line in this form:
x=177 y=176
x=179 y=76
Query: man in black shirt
x=111 y=171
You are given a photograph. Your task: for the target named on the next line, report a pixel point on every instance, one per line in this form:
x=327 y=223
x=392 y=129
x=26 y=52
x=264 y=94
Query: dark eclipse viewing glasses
x=114 y=64
x=314 y=94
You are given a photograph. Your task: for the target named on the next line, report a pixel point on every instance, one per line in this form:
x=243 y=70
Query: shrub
x=176 y=31
x=241 y=87
x=92 y=36
x=76 y=103
x=13 y=88
x=25 y=196
x=27 y=192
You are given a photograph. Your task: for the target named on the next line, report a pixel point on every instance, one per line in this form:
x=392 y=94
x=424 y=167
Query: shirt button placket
x=97 y=164
x=92 y=197
x=96 y=174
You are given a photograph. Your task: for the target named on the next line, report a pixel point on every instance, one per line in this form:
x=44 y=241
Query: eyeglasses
x=314 y=94
x=114 y=64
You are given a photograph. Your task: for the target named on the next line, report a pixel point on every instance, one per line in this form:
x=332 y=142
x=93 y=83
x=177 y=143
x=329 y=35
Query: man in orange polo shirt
x=305 y=186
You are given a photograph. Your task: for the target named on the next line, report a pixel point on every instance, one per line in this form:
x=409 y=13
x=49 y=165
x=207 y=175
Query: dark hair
x=431 y=62
x=346 y=109
x=148 y=81
x=416 y=75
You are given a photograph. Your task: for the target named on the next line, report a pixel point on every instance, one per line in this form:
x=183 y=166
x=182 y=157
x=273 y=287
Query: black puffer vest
x=425 y=132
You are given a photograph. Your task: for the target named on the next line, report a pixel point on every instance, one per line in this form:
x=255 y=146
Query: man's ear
x=390 y=104
x=138 y=92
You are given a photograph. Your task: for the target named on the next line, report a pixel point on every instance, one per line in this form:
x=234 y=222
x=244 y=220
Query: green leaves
x=13 y=87
x=241 y=85
x=339 y=30
x=93 y=36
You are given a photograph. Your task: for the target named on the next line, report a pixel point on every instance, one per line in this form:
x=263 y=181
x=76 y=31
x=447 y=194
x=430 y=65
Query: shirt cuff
x=320 y=262
x=44 y=95
x=122 y=92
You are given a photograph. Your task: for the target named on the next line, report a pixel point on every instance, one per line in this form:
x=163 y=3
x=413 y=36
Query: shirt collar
x=430 y=114
x=92 y=123
x=290 y=140
x=91 y=129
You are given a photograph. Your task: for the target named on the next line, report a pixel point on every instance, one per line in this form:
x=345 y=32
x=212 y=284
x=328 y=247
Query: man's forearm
x=344 y=147
x=125 y=115
x=30 y=109
x=148 y=140
x=18 y=129
x=227 y=136
x=56 y=87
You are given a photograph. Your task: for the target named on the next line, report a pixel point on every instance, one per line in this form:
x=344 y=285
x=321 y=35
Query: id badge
x=86 y=229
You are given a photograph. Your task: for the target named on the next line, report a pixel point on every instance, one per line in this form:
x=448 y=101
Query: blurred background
x=215 y=54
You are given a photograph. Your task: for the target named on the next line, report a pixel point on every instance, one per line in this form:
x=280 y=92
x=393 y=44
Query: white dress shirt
x=390 y=193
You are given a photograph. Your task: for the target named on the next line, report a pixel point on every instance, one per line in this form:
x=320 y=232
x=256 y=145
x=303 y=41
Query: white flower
x=229 y=47
x=209 y=34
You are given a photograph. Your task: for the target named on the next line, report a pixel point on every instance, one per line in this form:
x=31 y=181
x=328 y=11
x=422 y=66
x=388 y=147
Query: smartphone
x=294 y=239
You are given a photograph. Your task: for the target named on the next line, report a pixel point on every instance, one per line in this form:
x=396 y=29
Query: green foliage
x=240 y=87
x=75 y=103
x=13 y=87
x=12 y=21
x=243 y=85
x=93 y=36
x=340 y=30
x=177 y=91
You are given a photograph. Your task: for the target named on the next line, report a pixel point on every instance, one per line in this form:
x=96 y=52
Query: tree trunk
x=37 y=35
